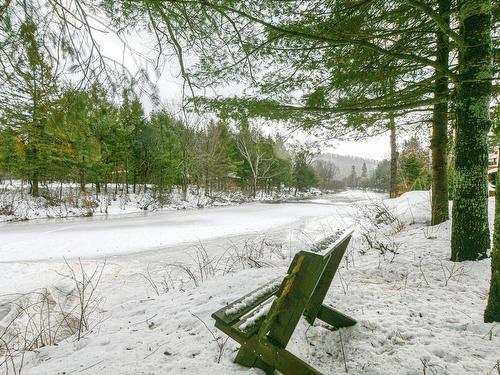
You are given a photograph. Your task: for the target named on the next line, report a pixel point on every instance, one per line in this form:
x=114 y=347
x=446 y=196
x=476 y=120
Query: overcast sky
x=170 y=84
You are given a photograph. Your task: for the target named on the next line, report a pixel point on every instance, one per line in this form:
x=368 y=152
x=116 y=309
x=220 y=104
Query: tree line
x=85 y=136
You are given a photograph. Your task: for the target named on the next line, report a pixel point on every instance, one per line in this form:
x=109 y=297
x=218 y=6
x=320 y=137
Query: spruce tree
x=27 y=100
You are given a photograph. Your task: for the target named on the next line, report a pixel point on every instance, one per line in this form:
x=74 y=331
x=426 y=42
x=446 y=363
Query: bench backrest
x=304 y=288
x=264 y=320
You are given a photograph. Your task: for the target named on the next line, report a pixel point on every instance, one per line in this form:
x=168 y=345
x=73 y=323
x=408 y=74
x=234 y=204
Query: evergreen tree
x=380 y=177
x=216 y=157
x=492 y=312
x=439 y=140
x=304 y=174
x=470 y=237
x=414 y=167
x=72 y=126
x=27 y=101
x=364 y=171
x=352 y=180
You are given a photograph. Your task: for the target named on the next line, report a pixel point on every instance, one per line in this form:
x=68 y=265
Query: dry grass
x=48 y=316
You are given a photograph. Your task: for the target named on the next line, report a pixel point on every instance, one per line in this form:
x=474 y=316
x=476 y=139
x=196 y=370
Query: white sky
x=374 y=148
x=170 y=84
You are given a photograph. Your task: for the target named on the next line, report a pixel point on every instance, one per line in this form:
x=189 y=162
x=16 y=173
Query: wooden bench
x=263 y=321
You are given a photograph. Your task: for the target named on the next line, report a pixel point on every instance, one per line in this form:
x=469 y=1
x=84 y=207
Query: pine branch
x=438 y=20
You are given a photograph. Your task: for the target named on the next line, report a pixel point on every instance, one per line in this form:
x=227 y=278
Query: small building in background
x=492 y=171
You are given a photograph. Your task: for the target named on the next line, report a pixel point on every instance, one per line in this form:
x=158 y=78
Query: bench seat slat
x=250 y=323
x=247 y=303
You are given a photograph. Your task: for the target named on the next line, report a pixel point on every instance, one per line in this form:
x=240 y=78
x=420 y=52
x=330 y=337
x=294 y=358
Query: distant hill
x=344 y=164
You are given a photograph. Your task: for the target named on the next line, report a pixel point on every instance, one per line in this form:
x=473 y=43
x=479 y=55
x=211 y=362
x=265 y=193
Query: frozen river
x=28 y=250
x=117 y=235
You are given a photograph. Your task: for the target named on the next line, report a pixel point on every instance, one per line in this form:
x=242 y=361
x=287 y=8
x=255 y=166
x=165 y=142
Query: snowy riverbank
x=418 y=313
x=66 y=200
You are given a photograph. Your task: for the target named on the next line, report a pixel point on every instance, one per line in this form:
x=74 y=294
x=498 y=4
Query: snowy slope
x=417 y=313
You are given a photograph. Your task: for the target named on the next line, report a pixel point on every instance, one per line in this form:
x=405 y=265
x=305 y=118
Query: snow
x=417 y=312
x=322 y=246
x=254 y=296
x=16 y=204
x=412 y=207
x=254 y=316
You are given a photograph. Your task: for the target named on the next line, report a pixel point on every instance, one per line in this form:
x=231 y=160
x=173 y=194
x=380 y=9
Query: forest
x=89 y=139
x=54 y=131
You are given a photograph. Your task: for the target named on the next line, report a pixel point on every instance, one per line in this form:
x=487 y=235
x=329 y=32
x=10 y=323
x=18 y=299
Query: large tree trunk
x=470 y=238
x=439 y=141
x=492 y=312
x=393 y=183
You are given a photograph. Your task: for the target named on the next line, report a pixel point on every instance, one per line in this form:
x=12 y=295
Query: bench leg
x=335 y=318
x=246 y=357
x=281 y=359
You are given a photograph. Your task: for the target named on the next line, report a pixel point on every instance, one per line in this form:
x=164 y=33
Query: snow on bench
x=253 y=297
x=322 y=246
x=255 y=316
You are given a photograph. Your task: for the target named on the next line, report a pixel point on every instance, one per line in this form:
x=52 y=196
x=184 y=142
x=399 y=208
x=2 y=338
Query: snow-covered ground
x=417 y=312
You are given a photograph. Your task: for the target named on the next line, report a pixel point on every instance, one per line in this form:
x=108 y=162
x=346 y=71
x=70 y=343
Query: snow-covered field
x=417 y=312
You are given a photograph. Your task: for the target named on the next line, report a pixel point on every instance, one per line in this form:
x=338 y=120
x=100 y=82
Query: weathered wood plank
x=326 y=279
x=295 y=301
x=279 y=358
x=282 y=293
x=335 y=318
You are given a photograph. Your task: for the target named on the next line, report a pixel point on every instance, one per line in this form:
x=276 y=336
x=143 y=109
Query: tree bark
x=126 y=176
x=34 y=189
x=439 y=141
x=184 y=188
x=393 y=183
x=82 y=179
x=470 y=238
x=492 y=312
